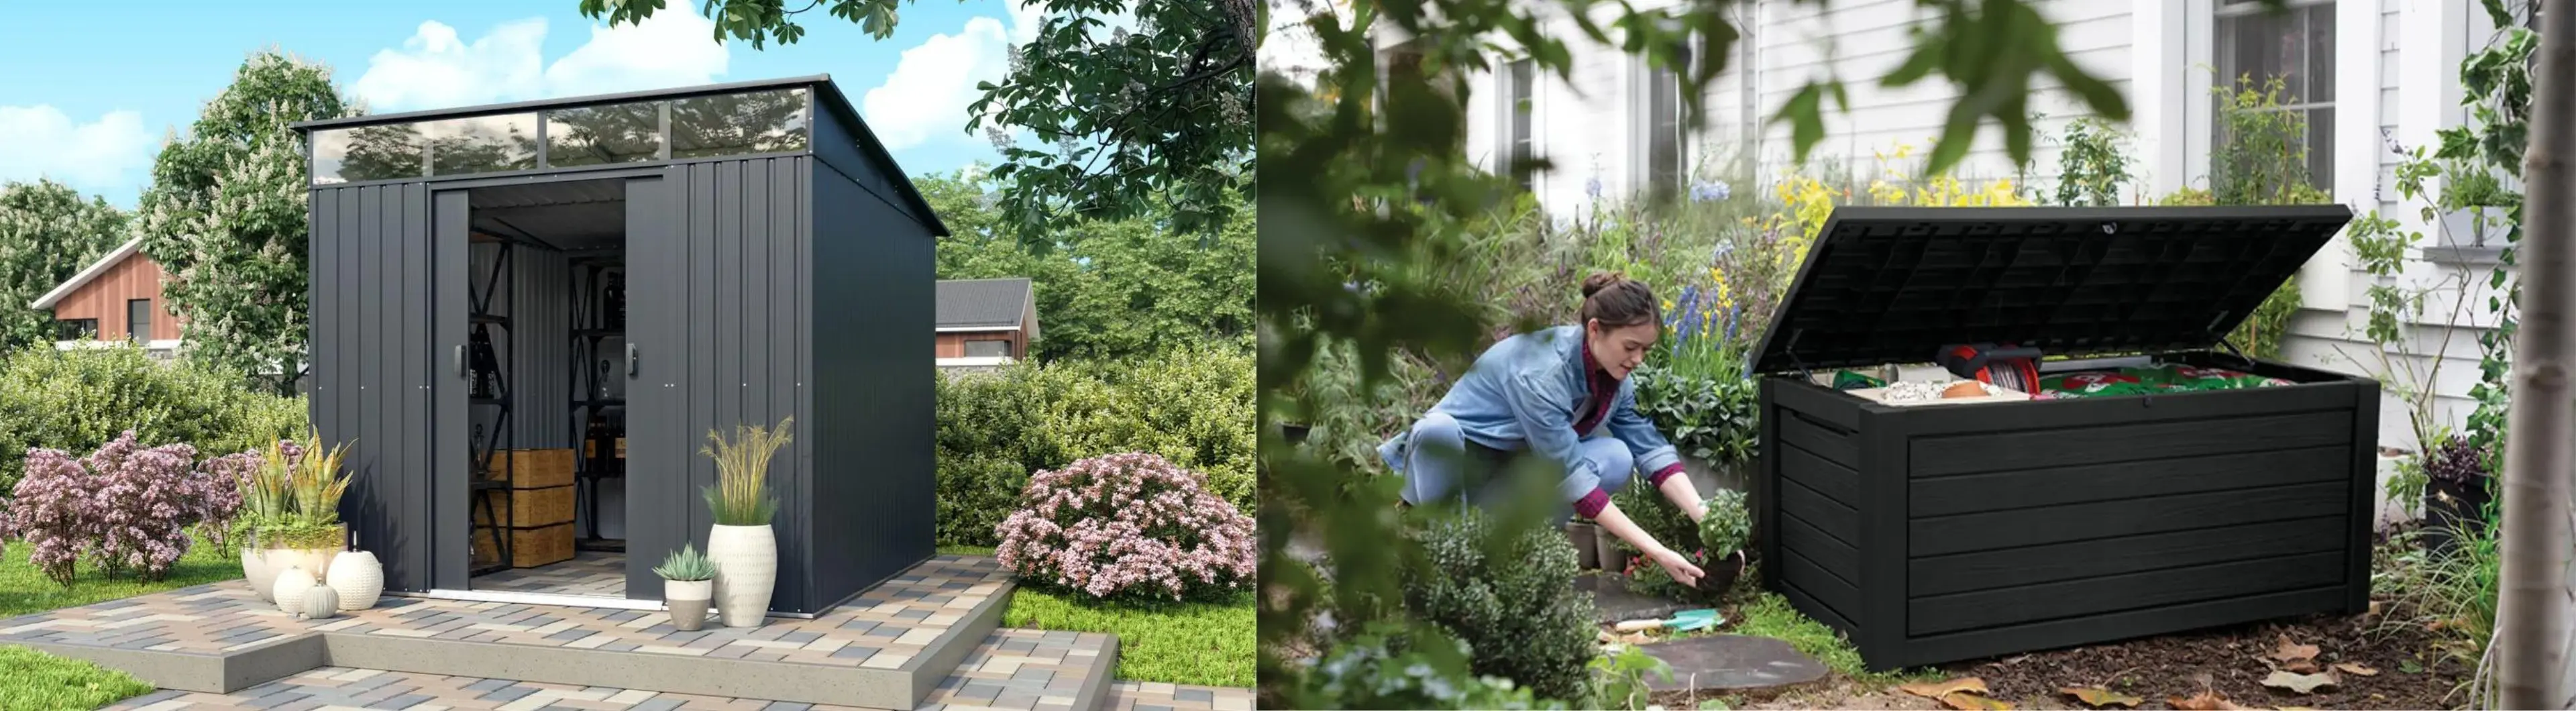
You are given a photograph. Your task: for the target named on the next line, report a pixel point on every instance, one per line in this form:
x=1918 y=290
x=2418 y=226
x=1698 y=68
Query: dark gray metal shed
x=522 y=276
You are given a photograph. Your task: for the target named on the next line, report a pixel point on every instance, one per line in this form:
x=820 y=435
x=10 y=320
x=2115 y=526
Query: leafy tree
x=225 y=217
x=1128 y=123
x=47 y=234
x=1105 y=289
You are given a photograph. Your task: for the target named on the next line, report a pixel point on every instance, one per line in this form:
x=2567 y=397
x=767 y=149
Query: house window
x=1520 y=147
x=988 y=349
x=138 y=319
x=2295 y=46
x=73 y=329
x=1664 y=129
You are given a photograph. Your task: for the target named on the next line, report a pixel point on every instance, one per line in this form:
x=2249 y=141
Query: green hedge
x=77 y=400
x=1193 y=407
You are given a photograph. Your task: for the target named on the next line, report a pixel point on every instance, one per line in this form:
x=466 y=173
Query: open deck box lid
x=1895 y=284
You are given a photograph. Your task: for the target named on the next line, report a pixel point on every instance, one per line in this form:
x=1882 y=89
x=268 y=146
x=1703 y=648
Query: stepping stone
x=1610 y=596
x=1730 y=662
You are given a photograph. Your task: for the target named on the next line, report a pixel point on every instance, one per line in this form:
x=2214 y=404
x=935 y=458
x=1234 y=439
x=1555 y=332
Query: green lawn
x=1210 y=644
x=34 y=680
x=24 y=590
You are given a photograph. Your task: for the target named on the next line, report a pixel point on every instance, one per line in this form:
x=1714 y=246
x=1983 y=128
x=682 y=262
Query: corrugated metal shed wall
x=874 y=422
x=371 y=295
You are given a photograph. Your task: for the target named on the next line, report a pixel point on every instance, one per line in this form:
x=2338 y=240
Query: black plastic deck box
x=1937 y=533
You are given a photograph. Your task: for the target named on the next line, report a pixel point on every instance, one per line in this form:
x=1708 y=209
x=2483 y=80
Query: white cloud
x=931 y=87
x=435 y=68
x=927 y=94
x=42 y=142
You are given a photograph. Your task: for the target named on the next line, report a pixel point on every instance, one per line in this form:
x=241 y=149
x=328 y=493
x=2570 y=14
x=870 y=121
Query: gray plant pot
x=688 y=615
x=1613 y=559
x=1587 y=552
x=688 y=600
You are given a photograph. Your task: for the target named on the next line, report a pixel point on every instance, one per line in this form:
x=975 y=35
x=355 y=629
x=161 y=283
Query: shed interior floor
x=588 y=574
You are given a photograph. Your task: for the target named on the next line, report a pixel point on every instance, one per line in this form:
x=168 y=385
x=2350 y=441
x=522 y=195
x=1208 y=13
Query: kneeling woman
x=1561 y=395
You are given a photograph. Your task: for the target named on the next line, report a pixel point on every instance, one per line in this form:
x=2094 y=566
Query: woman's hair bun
x=1601 y=280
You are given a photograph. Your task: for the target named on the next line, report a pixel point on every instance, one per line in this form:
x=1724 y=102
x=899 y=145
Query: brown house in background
x=985 y=322
x=118 y=298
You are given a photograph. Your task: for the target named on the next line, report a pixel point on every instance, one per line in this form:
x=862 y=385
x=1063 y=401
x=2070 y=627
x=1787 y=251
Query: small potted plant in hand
x=1725 y=530
x=688 y=582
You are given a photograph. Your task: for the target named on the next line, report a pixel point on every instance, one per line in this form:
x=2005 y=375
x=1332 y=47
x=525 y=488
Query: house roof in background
x=985 y=303
x=95 y=268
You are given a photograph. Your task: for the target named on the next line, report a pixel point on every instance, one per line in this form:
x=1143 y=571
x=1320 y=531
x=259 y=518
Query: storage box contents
x=2160 y=378
x=2169 y=486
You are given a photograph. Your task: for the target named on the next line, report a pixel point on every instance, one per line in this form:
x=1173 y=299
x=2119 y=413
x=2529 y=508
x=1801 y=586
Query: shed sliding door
x=372 y=284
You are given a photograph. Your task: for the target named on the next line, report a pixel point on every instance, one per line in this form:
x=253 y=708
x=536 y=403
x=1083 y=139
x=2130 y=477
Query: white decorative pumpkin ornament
x=292 y=583
x=359 y=578
x=320 y=603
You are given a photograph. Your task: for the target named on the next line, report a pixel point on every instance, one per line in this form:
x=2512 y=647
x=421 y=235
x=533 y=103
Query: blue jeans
x=1439 y=463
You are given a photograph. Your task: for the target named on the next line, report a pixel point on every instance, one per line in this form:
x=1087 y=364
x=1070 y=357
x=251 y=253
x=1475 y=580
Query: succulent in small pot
x=688 y=583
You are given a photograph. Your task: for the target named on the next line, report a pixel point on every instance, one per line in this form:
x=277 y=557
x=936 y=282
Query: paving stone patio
x=1013 y=669
x=588 y=574
x=881 y=629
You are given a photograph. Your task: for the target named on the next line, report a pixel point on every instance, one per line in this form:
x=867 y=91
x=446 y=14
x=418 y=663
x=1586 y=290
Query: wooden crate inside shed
x=529 y=547
x=533 y=468
x=525 y=508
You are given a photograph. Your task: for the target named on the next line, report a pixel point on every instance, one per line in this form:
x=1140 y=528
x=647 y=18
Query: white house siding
x=2396 y=72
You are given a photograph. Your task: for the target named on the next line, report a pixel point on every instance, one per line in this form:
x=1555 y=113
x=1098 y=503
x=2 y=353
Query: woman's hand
x=1677 y=566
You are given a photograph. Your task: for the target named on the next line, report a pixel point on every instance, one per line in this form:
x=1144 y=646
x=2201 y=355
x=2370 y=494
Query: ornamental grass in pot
x=688 y=584
x=741 y=544
x=291 y=511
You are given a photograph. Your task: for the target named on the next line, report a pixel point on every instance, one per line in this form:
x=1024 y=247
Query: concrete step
x=886 y=649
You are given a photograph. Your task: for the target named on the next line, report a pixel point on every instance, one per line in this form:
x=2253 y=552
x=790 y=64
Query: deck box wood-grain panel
x=1940 y=533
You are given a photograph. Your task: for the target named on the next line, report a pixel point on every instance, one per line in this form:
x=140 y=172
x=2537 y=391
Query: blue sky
x=117 y=77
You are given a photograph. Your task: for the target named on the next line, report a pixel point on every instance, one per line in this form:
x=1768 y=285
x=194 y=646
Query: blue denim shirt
x=1527 y=392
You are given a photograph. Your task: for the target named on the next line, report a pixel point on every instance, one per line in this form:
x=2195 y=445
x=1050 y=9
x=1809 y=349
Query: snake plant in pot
x=741 y=543
x=688 y=583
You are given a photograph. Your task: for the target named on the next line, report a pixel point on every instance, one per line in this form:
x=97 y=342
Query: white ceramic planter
x=359 y=579
x=688 y=602
x=746 y=559
x=256 y=572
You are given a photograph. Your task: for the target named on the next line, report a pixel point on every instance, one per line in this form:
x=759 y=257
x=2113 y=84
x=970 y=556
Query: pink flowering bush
x=1128 y=526
x=220 y=487
x=50 y=508
x=126 y=507
x=142 y=505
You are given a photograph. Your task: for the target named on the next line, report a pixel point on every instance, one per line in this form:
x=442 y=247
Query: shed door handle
x=460 y=361
x=631 y=357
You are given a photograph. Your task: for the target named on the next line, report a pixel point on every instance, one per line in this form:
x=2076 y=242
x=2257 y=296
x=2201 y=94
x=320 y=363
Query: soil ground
x=2229 y=661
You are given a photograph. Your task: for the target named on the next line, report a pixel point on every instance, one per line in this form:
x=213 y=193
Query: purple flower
x=1592 y=187
x=1707 y=192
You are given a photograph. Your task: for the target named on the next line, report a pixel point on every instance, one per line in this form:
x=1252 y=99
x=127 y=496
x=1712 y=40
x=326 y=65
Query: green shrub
x=1514 y=605
x=1193 y=407
x=77 y=400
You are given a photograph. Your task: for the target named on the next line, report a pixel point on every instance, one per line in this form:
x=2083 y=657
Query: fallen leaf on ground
x=1935 y=690
x=2098 y=697
x=2203 y=701
x=2301 y=666
x=2292 y=708
x=2357 y=669
x=1637 y=638
x=2294 y=652
x=1964 y=701
x=2300 y=683
x=2410 y=666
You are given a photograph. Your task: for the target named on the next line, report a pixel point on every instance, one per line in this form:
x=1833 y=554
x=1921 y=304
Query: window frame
x=2221 y=46
x=1519 y=121
x=138 y=335
x=78 y=327
x=1658 y=84
x=966 y=348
